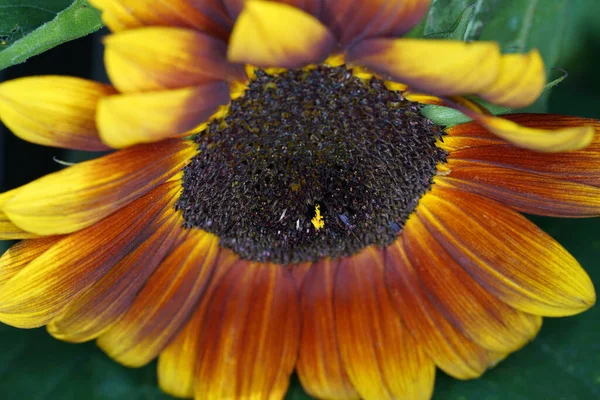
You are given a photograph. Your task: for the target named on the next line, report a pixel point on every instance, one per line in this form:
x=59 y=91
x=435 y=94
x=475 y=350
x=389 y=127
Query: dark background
x=562 y=363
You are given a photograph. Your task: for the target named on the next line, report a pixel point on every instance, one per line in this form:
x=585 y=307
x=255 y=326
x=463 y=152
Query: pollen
x=318 y=221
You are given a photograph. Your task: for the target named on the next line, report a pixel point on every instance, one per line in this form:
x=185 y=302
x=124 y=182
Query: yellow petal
x=83 y=194
x=551 y=141
x=54 y=111
x=8 y=230
x=19 y=255
x=128 y=119
x=440 y=67
x=270 y=34
x=135 y=62
x=520 y=82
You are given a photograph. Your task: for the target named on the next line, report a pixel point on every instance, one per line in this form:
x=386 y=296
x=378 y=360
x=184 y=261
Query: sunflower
x=279 y=203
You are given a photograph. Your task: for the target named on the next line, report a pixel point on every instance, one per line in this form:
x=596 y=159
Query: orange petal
x=54 y=111
x=164 y=304
x=177 y=363
x=450 y=350
x=83 y=194
x=381 y=358
x=271 y=34
x=250 y=334
x=128 y=119
x=452 y=67
x=520 y=81
x=354 y=20
x=58 y=277
x=19 y=255
x=507 y=254
x=185 y=58
x=477 y=314
x=537 y=183
x=109 y=298
x=8 y=230
x=471 y=142
x=533 y=138
x=525 y=191
x=320 y=367
x=206 y=15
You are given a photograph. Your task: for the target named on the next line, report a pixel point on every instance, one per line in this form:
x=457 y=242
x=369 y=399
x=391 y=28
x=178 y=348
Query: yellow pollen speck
x=318 y=221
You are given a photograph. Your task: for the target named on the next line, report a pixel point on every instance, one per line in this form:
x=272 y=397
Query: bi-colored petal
x=184 y=58
x=520 y=81
x=507 y=254
x=439 y=67
x=353 y=20
x=164 y=304
x=567 y=185
x=250 y=335
x=110 y=298
x=477 y=314
x=472 y=142
x=206 y=15
x=550 y=141
x=270 y=34
x=524 y=190
x=19 y=255
x=128 y=119
x=54 y=111
x=59 y=276
x=450 y=350
x=320 y=367
x=381 y=358
x=177 y=363
x=83 y=194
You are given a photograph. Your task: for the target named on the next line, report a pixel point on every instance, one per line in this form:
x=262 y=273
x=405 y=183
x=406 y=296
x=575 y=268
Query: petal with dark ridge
x=381 y=359
x=40 y=291
x=165 y=303
x=83 y=194
x=446 y=345
x=507 y=254
x=250 y=334
x=320 y=367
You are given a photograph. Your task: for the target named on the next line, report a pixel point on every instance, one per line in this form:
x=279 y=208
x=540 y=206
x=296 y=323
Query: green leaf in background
x=37 y=366
x=443 y=15
x=39 y=25
x=523 y=25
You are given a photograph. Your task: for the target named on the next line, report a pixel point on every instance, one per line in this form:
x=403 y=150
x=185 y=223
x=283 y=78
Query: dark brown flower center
x=310 y=164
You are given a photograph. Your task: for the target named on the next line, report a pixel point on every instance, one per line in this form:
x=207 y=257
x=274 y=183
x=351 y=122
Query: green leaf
x=444 y=14
x=33 y=365
x=520 y=26
x=30 y=29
